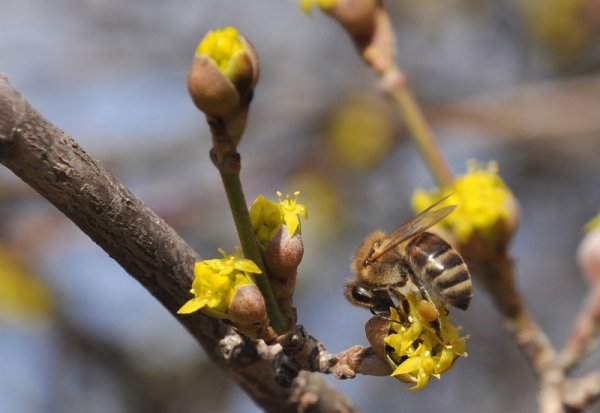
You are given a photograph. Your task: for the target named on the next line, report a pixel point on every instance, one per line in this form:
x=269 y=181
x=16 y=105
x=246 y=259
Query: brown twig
x=496 y=277
x=52 y=163
x=585 y=329
x=495 y=273
x=558 y=392
x=581 y=392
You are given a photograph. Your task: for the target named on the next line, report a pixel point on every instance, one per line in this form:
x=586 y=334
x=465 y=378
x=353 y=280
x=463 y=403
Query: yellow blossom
x=216 y=281
x=307 y=5
x=22 y=292
x=421 y=347
x=268 y=216
x=220 y=46
x=560 y=25
x=593 y=224
x=482 y=200
x=291 y=211
x=360 y=132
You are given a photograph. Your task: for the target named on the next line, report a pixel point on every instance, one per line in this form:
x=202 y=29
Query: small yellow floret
x=215 y=283
x=481 y=196
x=420 y=348
x=221 y=45
x=307 y=5
x=268 y=216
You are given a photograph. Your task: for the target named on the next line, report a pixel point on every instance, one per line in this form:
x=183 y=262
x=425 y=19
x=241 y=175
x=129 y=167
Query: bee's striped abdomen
x=439 y=266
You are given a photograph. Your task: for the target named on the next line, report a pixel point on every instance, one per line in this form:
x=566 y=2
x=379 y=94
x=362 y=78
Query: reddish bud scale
x=283 y=254
x=248 y=306
x=588 y=256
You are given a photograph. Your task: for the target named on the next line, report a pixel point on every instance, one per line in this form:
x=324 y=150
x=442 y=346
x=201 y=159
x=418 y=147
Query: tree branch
x=52 y=163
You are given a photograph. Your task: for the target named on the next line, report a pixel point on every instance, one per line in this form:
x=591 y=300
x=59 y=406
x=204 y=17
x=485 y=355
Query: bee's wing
x=414 y=226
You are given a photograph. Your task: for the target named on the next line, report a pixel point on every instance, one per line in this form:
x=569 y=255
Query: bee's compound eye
x=362 y=295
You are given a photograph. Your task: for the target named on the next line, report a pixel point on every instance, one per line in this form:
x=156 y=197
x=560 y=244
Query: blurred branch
x=54 y=165
x=547 y=110
x=141 y=388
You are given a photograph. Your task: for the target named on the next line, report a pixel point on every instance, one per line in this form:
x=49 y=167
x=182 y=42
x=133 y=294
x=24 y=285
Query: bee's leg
x=384 y=315
x=373 y=312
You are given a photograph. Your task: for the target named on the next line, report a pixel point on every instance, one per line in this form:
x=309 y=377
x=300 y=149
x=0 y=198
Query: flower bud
x=377 y=329
x=223 y=74
x=357 y=17
x=588 y=253
x=247 y=306
x=368 y=24
x=283 y=254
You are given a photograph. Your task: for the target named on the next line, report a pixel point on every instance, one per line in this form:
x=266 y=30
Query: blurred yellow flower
x=321 y=194
x=560 y=25
x=421 y=346
x=268 y=216
x=593 y=223
x=360 y=133
x=307 y=5
x=22 y=293
x=482 y=200
x=216 y=281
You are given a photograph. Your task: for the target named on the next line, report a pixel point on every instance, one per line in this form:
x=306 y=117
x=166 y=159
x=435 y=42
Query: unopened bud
x=369 y=26
x=283 y=254
x=247 y=306
x=357 y=17
x=588 y=256
x=377 y=329
x=373 y=365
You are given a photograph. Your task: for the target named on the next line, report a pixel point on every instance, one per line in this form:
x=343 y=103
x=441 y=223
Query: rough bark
x=53 y=164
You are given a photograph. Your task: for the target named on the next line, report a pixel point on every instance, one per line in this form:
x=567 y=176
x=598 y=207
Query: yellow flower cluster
x=482 y=198
x=307 y=5
x=216 y=281
x=423 y=343
x=268 y=216
x=221 y=45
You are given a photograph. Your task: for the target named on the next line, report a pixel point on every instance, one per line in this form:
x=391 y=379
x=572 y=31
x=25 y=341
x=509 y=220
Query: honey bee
x=409 y=259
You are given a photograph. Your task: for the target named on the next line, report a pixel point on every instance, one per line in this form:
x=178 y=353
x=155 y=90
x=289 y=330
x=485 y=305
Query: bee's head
x=376 y=300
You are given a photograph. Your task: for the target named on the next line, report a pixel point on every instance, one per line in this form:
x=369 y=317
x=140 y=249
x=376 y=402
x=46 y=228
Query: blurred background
x=517 y=81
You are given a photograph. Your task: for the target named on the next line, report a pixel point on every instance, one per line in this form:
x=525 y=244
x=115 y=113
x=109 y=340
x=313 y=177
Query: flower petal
x=292 y=221
x=246 y=265
x=192 y=305
x=408 y=366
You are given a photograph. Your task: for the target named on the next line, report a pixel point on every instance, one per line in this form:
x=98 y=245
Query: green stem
x=241 y=217
x=395 y=84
